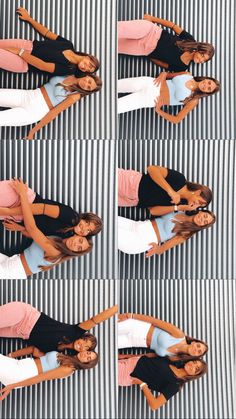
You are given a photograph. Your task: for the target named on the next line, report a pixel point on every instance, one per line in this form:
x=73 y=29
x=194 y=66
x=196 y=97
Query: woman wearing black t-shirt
x=173 y=52
x=55 y=55
x=159 y=374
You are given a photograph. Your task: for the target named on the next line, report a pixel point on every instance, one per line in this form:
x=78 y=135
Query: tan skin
x=75 y=243
x=84 y=62
x=79 y=344
x=206 y=86
x=60 y=372
x=191 y=368
x=187 y=57
x=193 y=349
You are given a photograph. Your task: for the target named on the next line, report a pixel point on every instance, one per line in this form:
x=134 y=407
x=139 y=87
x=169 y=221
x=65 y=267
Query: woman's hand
x=136 y=381
x=5 y=391
x=175 y=197
x=124 y=316
x=30 y=135
x=37 y=353
x=158 y=104
x=159 y=79
x=13 y=226
x=19 y=186
x=147 y=17
x=13 y=50
x=155 y=250
x=23 y=14
x=188 y=207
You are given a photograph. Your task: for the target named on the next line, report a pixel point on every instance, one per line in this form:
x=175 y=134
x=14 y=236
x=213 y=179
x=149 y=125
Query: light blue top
x=49 y=361
x=165 y=225
x=177 y=89
x=34 y=256
x=162 y=340
x=56 y=93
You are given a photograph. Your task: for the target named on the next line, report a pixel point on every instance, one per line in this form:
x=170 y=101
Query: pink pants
x=128 y=184
x=9 y=198
x=137 y=37
x=10 y=61
x=125 y=368
x=17 y=320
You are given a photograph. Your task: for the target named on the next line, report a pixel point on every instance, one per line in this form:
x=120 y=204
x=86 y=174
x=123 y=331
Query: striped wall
x=210 y=21
x=87 y=394
x=205 y=310
x=210 y=253
x=91 y=26
x=78 y=173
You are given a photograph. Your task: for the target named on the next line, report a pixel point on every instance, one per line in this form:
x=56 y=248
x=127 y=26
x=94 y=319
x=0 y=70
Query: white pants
x=28 y=107
x=135 y=236
x=14 y=370
x=132 y=333
x=11 y=267
x=143 y=93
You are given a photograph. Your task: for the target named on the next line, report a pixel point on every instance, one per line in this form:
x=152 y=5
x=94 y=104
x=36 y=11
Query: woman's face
x=86 y=65
x=193 y=367
x=81 y=345
x=207 y=86
x=77 y=243
x=202 y=218
x=85 y=228
x=196 y=199
x=196 y=349
x=200 y=57
x=86 y=356
x=87 y=83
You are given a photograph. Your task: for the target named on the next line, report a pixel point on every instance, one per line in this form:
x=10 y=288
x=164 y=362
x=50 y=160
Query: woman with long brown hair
x=152 y=372
x=165 y=339
x=160 y=234
x=170 y=89
x=174 y=52
x=45 y=252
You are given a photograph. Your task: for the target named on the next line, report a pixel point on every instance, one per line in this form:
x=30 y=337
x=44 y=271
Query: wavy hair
x=74 y=363
x=187 y=228
x=191 y=46
x=87 y=216
x=198 y=94
x=75 y=88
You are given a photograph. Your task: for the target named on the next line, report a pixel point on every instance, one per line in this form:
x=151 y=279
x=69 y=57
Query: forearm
x=157 y=177
x=161 y=210
x=37 y=209
x=29 y=221
x=43 y=30
x=171 y=118
x=153 y=402
x=22 y=352
x=160 y=63
x=99 y=318
x=38 y=63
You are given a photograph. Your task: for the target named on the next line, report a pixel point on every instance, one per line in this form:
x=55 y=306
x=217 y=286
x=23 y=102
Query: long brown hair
x=94 y=60
x=187 y=228
x=75 y=88
x=87 y=216
x=181 y=364
x=75 y=363
x=182 y=356
x=65 y=253
x=205 y=194
x=191 y=46
x=198 y=94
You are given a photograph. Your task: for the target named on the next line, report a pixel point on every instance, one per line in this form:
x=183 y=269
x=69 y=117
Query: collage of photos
x=117 y=209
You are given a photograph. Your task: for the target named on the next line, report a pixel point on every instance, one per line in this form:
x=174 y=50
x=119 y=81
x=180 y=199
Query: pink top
x=10 y=199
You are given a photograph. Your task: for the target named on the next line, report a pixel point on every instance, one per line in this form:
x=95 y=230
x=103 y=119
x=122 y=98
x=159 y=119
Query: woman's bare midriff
x=149 y=336
x=46 y=97
x=25 y=265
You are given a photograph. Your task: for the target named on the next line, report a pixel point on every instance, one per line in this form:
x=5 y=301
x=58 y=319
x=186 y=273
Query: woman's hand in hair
x=155 y=250
x=5 y=391
x=23 y=14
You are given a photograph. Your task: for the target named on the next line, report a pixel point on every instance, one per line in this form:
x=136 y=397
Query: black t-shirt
x=150 y=194
x=67 y=218
x=51 y=51
x=167 y=51
x=48 y=333
x=158 y=375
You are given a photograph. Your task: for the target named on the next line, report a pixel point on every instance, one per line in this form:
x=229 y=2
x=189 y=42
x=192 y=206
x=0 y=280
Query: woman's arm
x=99 y=318
x=50 y=210
x=34 y=61
x=162 y=248
x=153 y=402
x=52 y=114
x=22 y=352
x=12 y=226
x=158 y=175
x=160 y=63
x=60 y=372
x=43 y=30
x=167 y=23
x=175 y=119
x=158 y=211
x=161 y=324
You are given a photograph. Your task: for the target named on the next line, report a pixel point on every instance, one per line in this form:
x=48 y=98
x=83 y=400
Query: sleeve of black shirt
x=186 y=36
x=175 y=179
x=61 y=39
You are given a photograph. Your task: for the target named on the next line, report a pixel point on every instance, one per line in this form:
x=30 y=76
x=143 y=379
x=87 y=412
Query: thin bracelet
x=21 y=52
x=172 y=27
x=94 y=320
x=142 y=385
x=46 y=33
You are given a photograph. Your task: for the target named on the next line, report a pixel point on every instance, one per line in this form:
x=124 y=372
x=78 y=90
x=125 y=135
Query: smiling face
x=207 y=86
x=200 y=57
x=193 y=367
x=87 y=83
x=86 y=65
x=197 y=349
x=82 y=345
x=77 y=243
x=196 y=199
x=86 y=356
x=202 y=218
x=85 y=228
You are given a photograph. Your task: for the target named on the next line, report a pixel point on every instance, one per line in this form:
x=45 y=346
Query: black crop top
x=150 y=194
x=167 y=51
x=51 y=51
x=158 y=375
x=48 y=333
